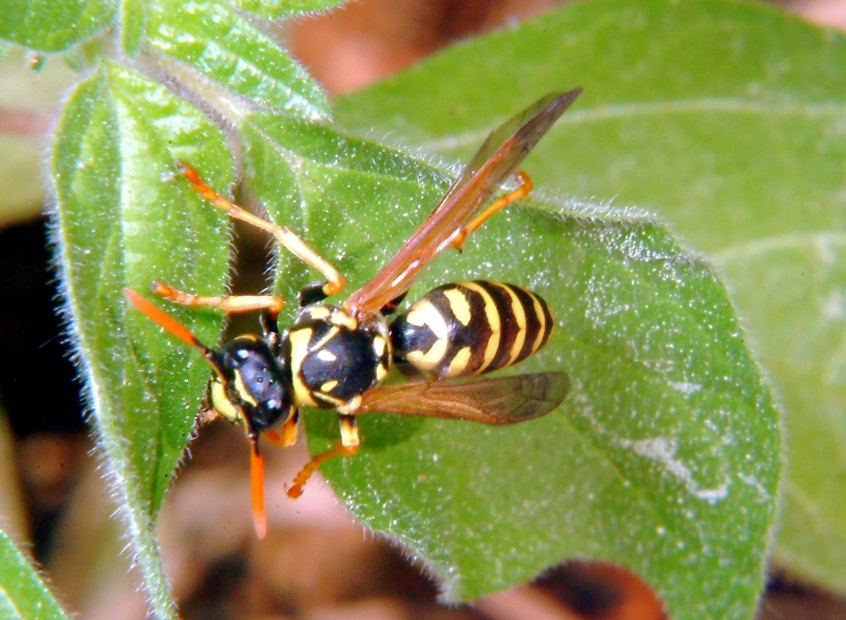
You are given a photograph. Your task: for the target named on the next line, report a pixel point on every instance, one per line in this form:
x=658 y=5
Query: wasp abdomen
x=468 y=328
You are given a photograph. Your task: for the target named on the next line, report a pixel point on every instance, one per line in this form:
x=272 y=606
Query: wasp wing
x=500 y=155
x=496 y=400
x=507 y=146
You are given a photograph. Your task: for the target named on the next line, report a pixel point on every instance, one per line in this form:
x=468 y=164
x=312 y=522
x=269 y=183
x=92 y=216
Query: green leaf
x=791 y=284
x=726 y=118
x=300 y=172
x=133 y=24
x=23 y=594
x=663 y=458
x=123 y=220
x=280 y=9
x=53 y=26
x=748 y=165
x=222 y=45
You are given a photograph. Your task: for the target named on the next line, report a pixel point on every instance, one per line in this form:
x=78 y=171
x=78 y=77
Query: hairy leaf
x=123 y=220
x=724 y=117
x=53 y=26
x=222 y=45
x=663 y=458
x=23 y=594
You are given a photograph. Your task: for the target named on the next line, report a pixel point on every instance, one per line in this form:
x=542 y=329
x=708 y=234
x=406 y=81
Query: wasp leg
x=284 y=236
x=312 y=293
x=524 y=187
x=287 y=437
x=230 y=304
x=348 y=446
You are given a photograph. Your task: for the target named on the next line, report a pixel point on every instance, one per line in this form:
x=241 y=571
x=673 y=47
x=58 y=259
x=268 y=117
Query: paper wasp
x=337 y=356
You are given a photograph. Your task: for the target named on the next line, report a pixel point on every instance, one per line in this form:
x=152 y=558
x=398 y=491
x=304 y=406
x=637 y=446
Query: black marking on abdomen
x=471 y=328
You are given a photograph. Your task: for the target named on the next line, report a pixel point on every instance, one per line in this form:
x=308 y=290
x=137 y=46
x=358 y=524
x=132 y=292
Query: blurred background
x=316 y=562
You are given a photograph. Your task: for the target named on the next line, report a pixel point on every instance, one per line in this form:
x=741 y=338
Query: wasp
x=337 y=356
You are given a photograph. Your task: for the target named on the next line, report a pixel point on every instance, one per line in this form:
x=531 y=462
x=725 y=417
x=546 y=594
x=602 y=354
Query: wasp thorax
x=255 y=389
x=335 y=358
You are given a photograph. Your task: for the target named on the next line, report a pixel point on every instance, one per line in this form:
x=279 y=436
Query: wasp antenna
x=257 y=489
x=167 y=323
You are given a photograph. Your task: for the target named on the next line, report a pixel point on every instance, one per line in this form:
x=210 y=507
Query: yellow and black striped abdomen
x=470 y=328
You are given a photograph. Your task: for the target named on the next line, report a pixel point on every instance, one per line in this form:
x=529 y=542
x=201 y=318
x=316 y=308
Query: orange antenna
x=257 y=488
x=167 y=323
x=173 y=327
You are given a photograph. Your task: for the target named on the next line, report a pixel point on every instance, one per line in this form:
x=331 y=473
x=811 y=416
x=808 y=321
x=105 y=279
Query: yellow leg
x=287 y=437
x=348 y=446
x=349 y=431
x=503 y=201
x=231 y=304
x=284 y=236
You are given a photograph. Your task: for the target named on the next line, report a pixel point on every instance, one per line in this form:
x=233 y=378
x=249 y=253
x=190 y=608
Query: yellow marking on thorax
x=330 y=400
x=329 y=386
x=343 y=319
x=326 y=356
x=330 y=333
x=318 y=313
x=299 y=339
x=379 y=346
